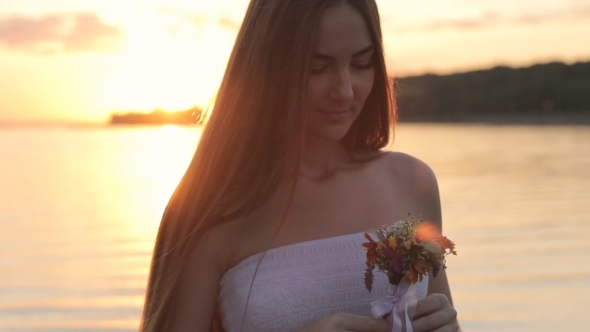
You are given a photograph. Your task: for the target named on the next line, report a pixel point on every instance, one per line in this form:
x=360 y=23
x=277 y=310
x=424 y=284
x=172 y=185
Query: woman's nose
x=342 y=88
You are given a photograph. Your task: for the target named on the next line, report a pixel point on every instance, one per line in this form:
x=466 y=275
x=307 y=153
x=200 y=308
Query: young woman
x=264 y=231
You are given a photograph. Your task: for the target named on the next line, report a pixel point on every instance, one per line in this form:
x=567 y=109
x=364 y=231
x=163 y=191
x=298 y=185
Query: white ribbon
x=401 y=304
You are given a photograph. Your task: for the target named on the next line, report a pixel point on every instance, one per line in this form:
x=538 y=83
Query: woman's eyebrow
x=365 y=50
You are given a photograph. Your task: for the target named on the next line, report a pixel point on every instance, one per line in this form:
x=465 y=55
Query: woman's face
x=342 y=73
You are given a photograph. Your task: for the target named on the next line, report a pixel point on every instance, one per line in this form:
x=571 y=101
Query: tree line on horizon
x=540 y=89
x=159 y=116
x=552 y=88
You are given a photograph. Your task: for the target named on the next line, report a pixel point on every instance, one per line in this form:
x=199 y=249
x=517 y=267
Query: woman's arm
x=435 y=312
x=196 y=294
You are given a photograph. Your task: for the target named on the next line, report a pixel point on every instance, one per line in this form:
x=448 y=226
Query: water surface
x=79 y=210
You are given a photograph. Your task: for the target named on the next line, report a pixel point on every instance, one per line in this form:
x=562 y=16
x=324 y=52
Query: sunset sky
x=81 y=60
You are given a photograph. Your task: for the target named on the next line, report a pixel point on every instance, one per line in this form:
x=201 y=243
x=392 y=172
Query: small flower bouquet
x=406 y=252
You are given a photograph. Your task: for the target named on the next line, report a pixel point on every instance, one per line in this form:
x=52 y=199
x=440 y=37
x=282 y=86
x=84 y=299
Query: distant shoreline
x=533 y=118
x=580 y=118
x=552 y=93
x=158 y=117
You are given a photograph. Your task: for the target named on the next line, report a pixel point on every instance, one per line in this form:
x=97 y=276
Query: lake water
x=80 y=207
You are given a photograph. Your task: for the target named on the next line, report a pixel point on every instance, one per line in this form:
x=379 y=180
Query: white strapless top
x=298 y=284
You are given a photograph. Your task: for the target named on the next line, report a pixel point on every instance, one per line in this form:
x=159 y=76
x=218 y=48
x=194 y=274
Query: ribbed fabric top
x=298 y=284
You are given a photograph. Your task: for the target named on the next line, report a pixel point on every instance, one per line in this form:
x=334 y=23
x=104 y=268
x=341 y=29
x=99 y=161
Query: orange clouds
x=493 y=19
x=58 y=33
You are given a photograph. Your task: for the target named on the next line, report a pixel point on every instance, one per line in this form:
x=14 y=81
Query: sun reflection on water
x=160 y=163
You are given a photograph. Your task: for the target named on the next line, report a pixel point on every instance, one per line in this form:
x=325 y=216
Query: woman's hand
x=435 y=313
x=347 y=322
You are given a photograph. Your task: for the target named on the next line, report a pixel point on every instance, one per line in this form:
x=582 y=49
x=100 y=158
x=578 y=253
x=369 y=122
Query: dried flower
x=407 y=250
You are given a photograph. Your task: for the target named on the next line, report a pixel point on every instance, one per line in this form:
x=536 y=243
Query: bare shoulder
x=226 y=245
x=408 y=168
x=212 y=247
x=417 y=181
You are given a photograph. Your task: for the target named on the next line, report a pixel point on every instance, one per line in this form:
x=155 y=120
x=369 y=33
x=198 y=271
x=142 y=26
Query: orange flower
x=411 y=276
x=421 y=266
x=426 y=232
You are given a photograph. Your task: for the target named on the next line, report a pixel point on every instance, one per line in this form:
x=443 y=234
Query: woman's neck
x=322 y=158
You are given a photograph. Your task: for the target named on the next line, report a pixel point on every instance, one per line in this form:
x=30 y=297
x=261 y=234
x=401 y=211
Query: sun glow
x=173 y=149
x=159 y=163
x=168 y=63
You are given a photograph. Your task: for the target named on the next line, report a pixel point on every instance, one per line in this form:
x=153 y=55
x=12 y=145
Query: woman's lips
x=334 y=115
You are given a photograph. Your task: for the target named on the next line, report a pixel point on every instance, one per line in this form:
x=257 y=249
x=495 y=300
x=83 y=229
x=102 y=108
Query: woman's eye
x=318 y=70
x=365 y=65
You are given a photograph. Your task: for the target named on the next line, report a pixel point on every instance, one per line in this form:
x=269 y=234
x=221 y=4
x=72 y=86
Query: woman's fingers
x=437 y=321
x=435 y=313
x=430 y=304
x=388 y=319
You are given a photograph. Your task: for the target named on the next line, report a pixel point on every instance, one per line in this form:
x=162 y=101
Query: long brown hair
x=255 y=131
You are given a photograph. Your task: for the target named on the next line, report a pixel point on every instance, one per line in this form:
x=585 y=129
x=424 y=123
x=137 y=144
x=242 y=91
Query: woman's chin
x=330 y=126
x=328 y=134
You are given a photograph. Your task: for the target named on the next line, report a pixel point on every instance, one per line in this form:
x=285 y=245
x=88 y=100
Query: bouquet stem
x=395 y=278
x=391 y=289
